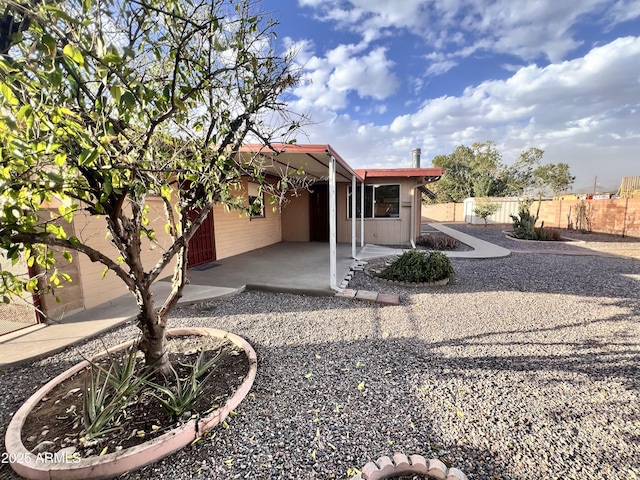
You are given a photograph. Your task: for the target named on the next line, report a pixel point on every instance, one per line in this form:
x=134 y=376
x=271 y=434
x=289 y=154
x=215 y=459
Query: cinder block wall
x=443 y=212
x=617 y=216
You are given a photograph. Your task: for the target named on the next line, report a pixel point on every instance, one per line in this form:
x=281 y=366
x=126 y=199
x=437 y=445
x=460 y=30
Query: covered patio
x=291 y=267
x=315 y=164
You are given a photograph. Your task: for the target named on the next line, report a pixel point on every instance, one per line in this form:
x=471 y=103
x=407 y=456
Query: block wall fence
x=619 y=216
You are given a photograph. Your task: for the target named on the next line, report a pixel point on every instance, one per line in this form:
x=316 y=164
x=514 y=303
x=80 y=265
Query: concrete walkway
x=481 y=249
x=299 y=268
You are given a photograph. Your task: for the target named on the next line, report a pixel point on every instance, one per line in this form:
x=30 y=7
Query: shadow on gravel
x=319 y=409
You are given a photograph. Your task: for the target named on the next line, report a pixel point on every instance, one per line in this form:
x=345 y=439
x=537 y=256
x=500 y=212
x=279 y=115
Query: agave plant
x=187 y=392
x=108 y=391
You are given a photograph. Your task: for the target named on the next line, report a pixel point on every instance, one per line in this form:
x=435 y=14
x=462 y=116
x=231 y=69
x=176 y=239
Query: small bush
x=547 y=234
x=438 y=241
x=484 y=209
x=416 y=266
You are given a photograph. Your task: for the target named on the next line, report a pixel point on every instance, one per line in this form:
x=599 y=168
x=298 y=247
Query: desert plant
x=524 y=224
x=185 y=393
x=547 y=234
x=484 y=209
x=418 y=266
x=438 y=241
x=180 y=398
x=108 y=391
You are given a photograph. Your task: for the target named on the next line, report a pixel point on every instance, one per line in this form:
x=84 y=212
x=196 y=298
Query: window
x=256 y=203
x=380 y=201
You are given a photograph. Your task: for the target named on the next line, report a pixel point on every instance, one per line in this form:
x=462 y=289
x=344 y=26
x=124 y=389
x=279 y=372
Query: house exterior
x=322 y=213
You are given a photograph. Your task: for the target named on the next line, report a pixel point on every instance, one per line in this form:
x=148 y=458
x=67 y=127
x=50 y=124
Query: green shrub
x=438 y=241
x=416 y=266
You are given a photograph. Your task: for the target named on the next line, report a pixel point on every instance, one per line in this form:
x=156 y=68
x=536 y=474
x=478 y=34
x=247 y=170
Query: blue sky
x=381 y=77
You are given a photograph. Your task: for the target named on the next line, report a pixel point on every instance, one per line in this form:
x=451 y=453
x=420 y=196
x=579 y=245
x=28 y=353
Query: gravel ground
x=524 y=367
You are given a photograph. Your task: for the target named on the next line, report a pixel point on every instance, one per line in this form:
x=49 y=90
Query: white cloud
x=525 y=28
x=328 y=80
x=439 y=68
x=584 y=112
x=624 y=10
x=368 y=75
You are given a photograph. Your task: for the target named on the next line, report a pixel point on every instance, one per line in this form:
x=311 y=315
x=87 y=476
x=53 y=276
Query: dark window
x=380 y=201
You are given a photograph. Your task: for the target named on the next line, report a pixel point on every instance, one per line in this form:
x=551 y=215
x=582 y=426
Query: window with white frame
x=256 y=203
x=380 y=201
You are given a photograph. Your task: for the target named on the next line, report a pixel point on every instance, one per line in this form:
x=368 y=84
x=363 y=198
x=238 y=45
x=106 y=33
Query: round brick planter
x=400 y=464
x=32 y=466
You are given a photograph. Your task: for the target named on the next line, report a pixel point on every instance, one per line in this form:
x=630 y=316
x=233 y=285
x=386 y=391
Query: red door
x=202 y=248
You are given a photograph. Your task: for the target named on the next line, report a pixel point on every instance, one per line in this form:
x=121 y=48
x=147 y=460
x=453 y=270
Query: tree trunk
x=154 y=346
x=154 y=334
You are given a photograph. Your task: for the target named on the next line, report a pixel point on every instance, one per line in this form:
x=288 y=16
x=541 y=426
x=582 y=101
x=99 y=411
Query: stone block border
x=26 y=464
x=400 y=464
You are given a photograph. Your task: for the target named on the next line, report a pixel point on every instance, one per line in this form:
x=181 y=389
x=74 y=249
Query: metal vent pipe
x=415 y=156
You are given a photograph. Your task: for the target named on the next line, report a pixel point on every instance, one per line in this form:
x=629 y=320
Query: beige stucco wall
x=236 y=232
x=383 y=231
x=295 y=219
x=92 y=230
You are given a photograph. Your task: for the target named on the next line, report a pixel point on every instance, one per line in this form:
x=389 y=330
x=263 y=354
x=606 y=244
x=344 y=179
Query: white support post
x=332 y=223
x=362 y=214
x=353 y=216
x=412 y=230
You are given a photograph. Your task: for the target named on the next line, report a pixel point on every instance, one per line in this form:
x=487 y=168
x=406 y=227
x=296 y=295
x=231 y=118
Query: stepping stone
x=366 y=295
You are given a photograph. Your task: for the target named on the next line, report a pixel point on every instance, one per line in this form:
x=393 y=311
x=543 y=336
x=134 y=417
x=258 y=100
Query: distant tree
x=478 y=171
x=456 y=184
x=485 y=167
x=517 y=178
x=104 y=102
x=555 y=177
x=470 y=172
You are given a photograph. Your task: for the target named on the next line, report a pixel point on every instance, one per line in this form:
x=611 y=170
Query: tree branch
x=91 y=253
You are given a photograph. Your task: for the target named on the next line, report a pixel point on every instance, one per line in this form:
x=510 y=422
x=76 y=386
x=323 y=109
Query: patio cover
x=312 y=159
x=314 y=163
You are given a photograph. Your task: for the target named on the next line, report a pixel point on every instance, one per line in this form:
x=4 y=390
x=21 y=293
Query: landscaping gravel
x=524 y=367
